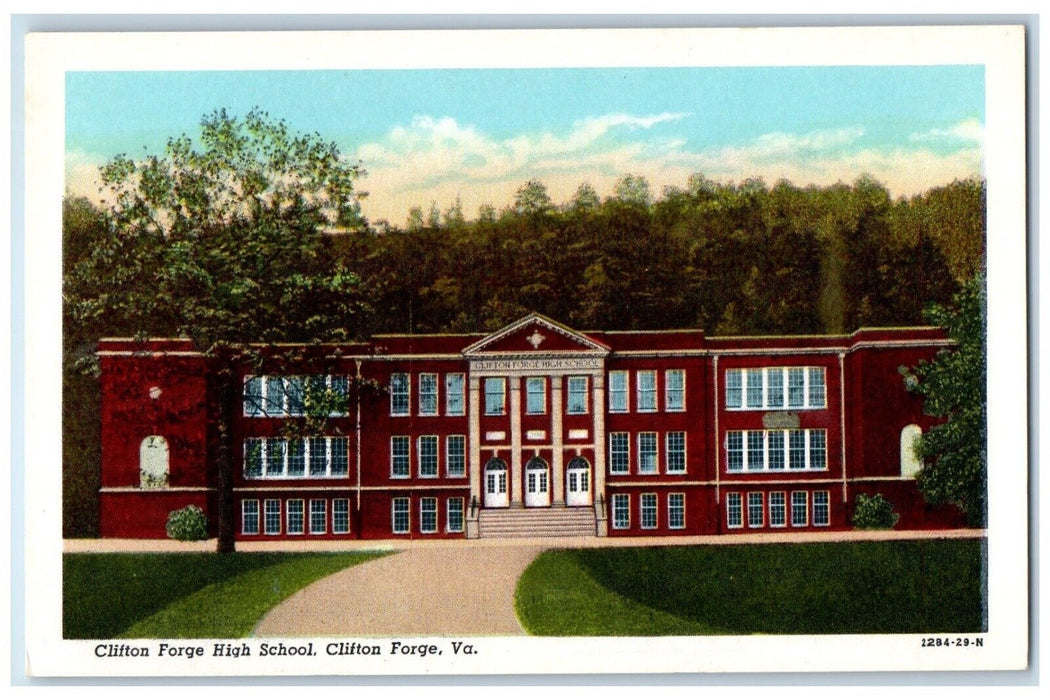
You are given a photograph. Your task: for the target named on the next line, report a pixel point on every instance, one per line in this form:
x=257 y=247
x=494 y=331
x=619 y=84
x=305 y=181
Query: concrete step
x=536 y=522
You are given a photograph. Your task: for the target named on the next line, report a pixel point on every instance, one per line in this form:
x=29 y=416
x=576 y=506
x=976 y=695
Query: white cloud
x=969 y=130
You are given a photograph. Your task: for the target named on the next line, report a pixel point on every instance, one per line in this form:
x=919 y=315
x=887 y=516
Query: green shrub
x=187 y=524
x=874 y=513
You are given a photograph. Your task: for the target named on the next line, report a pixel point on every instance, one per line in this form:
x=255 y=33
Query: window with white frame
x=619 y=453
x=428 y=515
x=535 y=395
x=777 y=509
x=428 y=456
x=272 y=516
x=400 y=394
x=675 y=452
x=294 y=516
x=318 y=516
x=799 y=508
x=734 y=510
x=400 y=516
x=577 y=402
x=821 y=508
x=275 y=457
x=454 y=404
x=735 y=450
x=454 y=515
x=647 y=453
x=340 y=516
x=648 y=511
x=281 y=397
x=428 y=394
x=676 y=511
x=771 y=450
x=275 y=395
x=399 y=457
x=250 y=516
x=646 y=399
x=756 y=450
x=797 y=449
x=456 y=455
x=619 y=391
x=495 y=396
x=755 y=510
x=674 y=390
x=338 y=456
x=296 y=458
x=621 y=511
x=775 y=388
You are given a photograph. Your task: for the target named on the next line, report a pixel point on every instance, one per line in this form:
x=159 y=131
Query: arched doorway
x=496 y=484
x=153 y=463
x=578 y=482
x=537 y=483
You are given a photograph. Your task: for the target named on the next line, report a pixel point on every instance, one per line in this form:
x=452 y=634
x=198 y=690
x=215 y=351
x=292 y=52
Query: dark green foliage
x=874 y=513
x=187 y=524
x=831 y=588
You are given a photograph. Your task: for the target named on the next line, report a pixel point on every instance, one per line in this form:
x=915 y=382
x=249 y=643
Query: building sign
x=540 y=364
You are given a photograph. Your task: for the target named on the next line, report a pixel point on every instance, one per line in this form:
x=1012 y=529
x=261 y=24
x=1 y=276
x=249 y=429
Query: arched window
x=911 y=464
x=153 y=462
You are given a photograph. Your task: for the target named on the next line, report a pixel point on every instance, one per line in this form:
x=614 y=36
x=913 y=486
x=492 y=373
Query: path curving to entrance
x=424 y=591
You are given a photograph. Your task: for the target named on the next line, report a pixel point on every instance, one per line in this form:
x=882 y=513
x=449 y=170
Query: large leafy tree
x=953 y=387
x=226 y=239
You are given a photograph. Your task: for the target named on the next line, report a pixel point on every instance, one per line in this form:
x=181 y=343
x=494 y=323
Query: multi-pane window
x=272 y=516
x=821 y=512
x=428 y=515
x=577 y=395
x=535 y=395
x=296 y=458
x=428 y=394
x=648 y=511
x=495 y=396
x=340 y=516
x=428 y=456
x=275 y=455
x=294 y=516
x=454 y=404
x=338 y=456
x=250 y=517
x=399 y=457
x=646 y=380
x=619 y=453
x=647 y=458
x=279 y=397
x=275 y=395
x=777 y=509
x=759 y=450
x=675 y=452
x=734 y=510
x=454 y=519
x=799 y=506
x=619 y=388
x=621 y=511
x=755 y=514
x=775 y=387
x=318 y=516
x=400 y=516
x=676 y=511
x=456 y=455
x=674 y=390
x=400 y=394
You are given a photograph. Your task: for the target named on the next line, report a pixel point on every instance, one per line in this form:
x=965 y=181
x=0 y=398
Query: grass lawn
x=183 y=595
x=826 y=588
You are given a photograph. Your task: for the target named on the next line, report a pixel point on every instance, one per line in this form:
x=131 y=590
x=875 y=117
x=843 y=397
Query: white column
x=598 y=411
x=474 y=438
x=515 y=442
x=557 y=460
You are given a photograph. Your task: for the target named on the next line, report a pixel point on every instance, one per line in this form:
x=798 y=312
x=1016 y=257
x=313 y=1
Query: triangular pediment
x=536 y=334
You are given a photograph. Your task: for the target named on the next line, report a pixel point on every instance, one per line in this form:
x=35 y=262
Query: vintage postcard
x=521 y=352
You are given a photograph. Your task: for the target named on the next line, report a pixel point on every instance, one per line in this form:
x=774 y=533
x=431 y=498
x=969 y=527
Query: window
x=765 y=450
x=618 y=391
x=295 y=387
x=318 y=516
x=735 y=450
x=340 y=400
x=577 y=395
x=734 y=388
x=296 y=458
x=676 y=511
x=295 y=516
x=646 y=391
x=428 y=515
x=756 y=450
x=274 y=456
x=400 y=514
x=428 y=394
x=775 y=447
x=272 y=516
x=454 y=521
x=399 y=394
x=340 y=516
x=619 y=453
x=278 y=397
x=675 y=453
x=775 y=387
x=454 y=405
x=674 y=390
x=647 y=462
x=777 y=509
x=535 y=395
x=796 y=387
x=399 y=467
x=250 y=517
x=495 y=396
x=274 y=400
x=318 y=456
x=799 y=506
x=821 y=510
x=455 y=455
x=754 y=389
x=734 y=510
x=817 y=449
x=648 y=511
x=755 y=514
x=797 y=449
x=339 y=447
x=767 y=388
x=253 y=396
x=816 y=391
x=621 y=511
x=253 y=458
x=428 y=456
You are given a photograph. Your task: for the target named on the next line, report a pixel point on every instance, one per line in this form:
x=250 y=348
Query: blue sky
x=434 y=135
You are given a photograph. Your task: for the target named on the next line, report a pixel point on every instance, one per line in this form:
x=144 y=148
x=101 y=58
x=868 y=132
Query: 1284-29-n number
x=952 y=642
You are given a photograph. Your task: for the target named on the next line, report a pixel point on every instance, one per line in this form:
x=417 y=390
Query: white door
x=578 y=483
x=496 y=484
x=537 y=483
